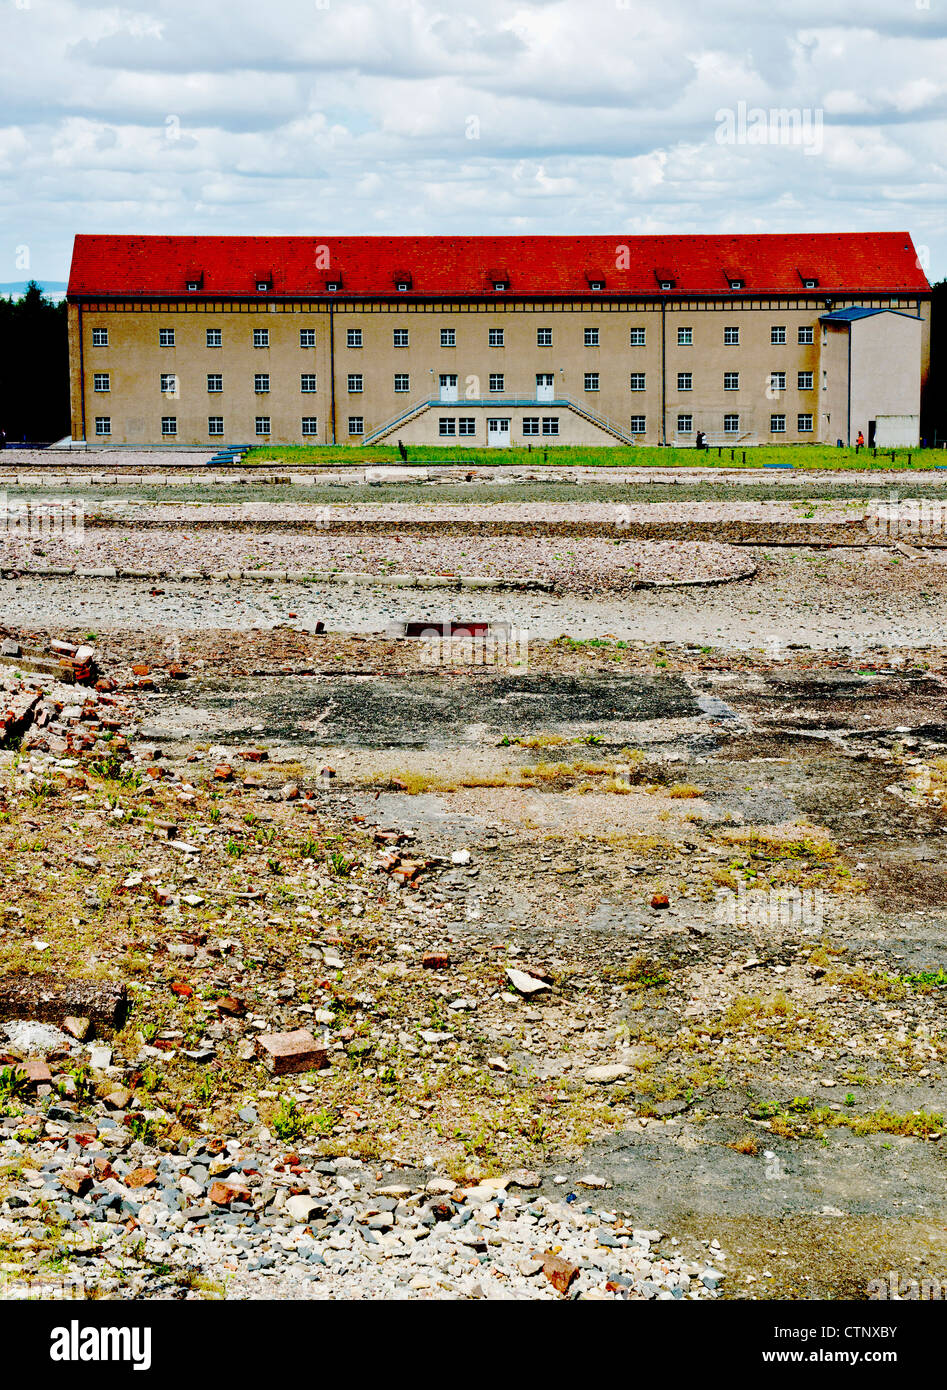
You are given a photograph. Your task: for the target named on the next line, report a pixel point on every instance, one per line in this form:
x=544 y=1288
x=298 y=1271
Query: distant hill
x=15 y=289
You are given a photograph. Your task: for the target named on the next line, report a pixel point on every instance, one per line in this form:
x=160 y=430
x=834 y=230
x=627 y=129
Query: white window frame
x=685 y=381
x=544 y=337
x=101 y=381
x=261 y=337
x=777 y=334
x=731 y=381
x=804 y=422
x=446 y=426
x=103 y=424
x=448 y=337
x=591 y=381
x=805 y=381
x=636 y=337
x=467 y=426
x=402 y=383
x=398 y=333
x=550 y=425
x=212 y=422
x=309 y=426
x=307 y=337
x=731 y=335
x=530 y=425
x=355 y=383
x=308 y=383
x=591 y=337
x=495 y=337
x=353 y=337
x=262 y=424
x=685 y=337
x=213 y=337
x=215 y=383
x=777 y=424
x=497 y=383
x=687 y=428
x=261 y=383
x=806 y=337
x=636 y=381
x=638 y=424
x=166 y=337
x=169 y=426
x=356 y=424
x=729 y=427
x=100 y=338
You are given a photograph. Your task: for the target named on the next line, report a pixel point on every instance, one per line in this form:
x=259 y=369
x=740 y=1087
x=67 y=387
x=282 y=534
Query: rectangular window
x=496 y=381
x=215 y=381
x=400 y=337
x=804 y=381
x=544 y=337
x=307 y=337
x=356 y=424
x=637 y=424
x=804 y=424
x=261 y=382
x=731 y=336
x=355 y=383
x=353 y=337
x=637 y=337
x=495 y=337
x=685 y=336
x=169 y=424
x=448 y=337
x=806 y=335
x=777 y=381
x=169 y=383
x=447 y=424
x=685 y=424
x=777 y=334
x=637 y=381
x=731 y=381
x=467 y=425
x=591 y=381
x=402 y=382
x=531 y=424
x=307 y=382
x=262 y=424
x=215 y=424
x=166 y=337
x=103 y=424
x=550 y=424
x=310 y=424
x=100 y=338
x=777 y=424
x=591 y=337
x=214 y=337
x=100 y=381
x=261 y=337
x=685 y=381
x=731 y=424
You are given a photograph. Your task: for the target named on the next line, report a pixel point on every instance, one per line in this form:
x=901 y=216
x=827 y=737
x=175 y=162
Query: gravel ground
x=575 y=566
x=248 y=1224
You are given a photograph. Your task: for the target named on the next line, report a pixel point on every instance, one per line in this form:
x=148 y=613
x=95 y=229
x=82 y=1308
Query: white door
x=498 y=433
x=544 y=387
x=448 y=386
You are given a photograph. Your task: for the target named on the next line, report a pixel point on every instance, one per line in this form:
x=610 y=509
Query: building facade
x=210 y=341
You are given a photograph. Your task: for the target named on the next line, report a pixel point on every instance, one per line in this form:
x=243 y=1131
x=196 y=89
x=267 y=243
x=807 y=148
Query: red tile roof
x=848 y=262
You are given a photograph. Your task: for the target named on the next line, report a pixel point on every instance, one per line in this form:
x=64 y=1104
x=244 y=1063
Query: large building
x=204 y=341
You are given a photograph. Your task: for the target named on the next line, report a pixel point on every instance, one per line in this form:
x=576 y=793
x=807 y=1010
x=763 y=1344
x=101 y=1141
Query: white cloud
x=413 y=115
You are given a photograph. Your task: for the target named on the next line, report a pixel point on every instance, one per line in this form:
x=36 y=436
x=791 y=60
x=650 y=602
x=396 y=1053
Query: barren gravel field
x=598 y=956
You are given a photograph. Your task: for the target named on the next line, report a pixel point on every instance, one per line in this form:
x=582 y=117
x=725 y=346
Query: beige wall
x=886 y=369
x=135 y=361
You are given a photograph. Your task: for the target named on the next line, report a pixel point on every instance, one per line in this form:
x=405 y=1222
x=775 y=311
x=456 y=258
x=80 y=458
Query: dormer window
x=665 y=277
x=332 y=286
x=193 y=286
x=402 y=279
x=810 y=284
x=263 y=280
x=498 y=279
x=194 y=280
x=667 y=284
x=402 y=286
x=500 y=286
x=736 y=284
x=262 y=286
x=810 y=281
x=596 y=284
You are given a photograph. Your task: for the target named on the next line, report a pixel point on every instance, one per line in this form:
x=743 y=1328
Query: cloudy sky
x=386 y=116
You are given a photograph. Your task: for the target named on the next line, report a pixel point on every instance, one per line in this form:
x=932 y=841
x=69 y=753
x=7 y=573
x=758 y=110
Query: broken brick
x=291 y=1052
x=223 y=1193
x=223 y=773
x=435 y=960
x=559 y=1272
x=660 y=900
x=141 y=1177
x=75 y=1180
